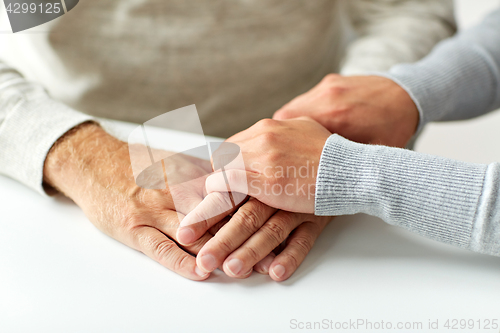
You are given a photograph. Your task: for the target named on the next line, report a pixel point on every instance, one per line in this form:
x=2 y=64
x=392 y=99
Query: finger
x=244 y=223
x=188 y=194
x=209 y=212
x=214 y=204
x=160 y=248
x=195 y=247
x=263 y=266
x=168 y=223
x=234 y=180
x=215 y=228
x=260 y=244
x=298 y=246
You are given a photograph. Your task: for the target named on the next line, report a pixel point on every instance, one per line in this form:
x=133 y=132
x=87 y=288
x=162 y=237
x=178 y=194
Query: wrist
x=398 y=99
x=72 y=162
x=345 y=184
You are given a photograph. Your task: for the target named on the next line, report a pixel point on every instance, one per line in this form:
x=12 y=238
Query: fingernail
x=199 y=272
x=278 y=271
x=235 y=266
x=208 y=263
x=185 y=236
x=263 y=266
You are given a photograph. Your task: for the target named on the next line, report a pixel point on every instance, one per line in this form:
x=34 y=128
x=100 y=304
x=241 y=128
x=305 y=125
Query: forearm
x=446 y=200
x=93 y=169
x=460 y=79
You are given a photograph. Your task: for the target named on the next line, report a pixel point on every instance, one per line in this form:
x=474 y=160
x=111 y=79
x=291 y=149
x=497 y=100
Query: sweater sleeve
x=446 y=200
x=30 y=123
x=389 y=32
x=459 y=79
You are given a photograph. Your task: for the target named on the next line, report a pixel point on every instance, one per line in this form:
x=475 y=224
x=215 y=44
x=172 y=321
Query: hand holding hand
x=281 y=164
x=281 y=160
x=93 y=169
x=252 y=236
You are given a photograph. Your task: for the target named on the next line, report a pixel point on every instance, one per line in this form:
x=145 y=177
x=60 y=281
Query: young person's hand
x=281 y=161
x=365 y=109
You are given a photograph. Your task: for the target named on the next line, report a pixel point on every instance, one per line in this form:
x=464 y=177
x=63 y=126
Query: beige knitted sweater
x=237 y=60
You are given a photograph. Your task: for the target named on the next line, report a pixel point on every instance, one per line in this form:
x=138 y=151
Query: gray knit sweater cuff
x=29 y=132
x=435 y=83
x=430 y=195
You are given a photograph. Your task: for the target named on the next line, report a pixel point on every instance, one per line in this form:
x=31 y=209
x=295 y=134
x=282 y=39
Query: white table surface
x=58 y=273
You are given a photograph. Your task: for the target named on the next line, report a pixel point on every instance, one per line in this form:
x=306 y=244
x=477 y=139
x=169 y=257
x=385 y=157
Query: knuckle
x=134 y=212
x=222 y=199
x=267 y=122
x=276 y=231
x=180 y=263
x=334 y=91
x=267 y=140
x=225 y=245
x=253 y=254
x=303 y=244
x=331 y=77
x=249 y=219
x=131 y=217
x=162 y=250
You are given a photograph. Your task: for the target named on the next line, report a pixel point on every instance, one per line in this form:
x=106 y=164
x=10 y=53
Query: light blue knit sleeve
x=459 y=79
x=443 y=199
x=449 y=201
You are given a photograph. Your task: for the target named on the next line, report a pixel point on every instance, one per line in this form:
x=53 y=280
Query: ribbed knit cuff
x=430 y=195
x=28 y=133
x=486 y=229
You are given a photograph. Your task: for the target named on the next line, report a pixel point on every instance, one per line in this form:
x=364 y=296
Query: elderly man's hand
x=366 y=109
x=93 y=169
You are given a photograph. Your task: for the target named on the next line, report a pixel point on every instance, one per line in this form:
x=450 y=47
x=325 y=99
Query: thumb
x=214 y=207
x=234 y=180
x=226 y=190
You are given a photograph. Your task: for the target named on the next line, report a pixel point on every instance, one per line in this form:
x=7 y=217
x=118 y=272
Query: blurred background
x=476 y=140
